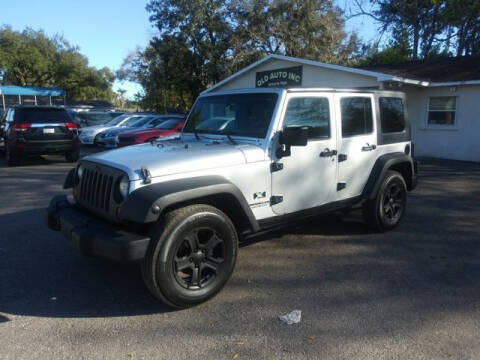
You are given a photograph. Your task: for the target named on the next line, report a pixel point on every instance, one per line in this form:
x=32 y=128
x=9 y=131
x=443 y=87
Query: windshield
x=237 y=114
x=132 y=121
x=168 y=124
x=93 y=118
x=41 y=115
x=117 y=120
x=154 y=122
x=139 y=122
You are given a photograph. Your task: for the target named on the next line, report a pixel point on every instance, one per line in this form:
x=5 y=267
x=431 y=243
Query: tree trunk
x=416 y=36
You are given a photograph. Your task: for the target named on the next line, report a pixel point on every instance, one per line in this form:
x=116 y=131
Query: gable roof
x=466 y=68
x=432 y=73
x=379 y=76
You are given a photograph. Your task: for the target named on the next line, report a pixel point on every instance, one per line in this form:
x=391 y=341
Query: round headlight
x=80 y=171
x=123 y=187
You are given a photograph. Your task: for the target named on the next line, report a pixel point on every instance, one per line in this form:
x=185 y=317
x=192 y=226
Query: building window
x=392 y=115
x=357 y=118
x=311 y=112
x=441 y=110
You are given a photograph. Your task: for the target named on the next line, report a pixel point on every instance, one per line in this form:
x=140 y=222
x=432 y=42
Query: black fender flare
x=379 y=171
x=147 y=203
x=69 y=179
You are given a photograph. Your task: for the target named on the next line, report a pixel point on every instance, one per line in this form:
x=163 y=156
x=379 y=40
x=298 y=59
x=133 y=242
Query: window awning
x=30 y=91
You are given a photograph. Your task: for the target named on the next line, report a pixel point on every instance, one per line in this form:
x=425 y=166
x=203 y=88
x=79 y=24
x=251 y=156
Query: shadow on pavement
x=41 y=275
x=336 y=269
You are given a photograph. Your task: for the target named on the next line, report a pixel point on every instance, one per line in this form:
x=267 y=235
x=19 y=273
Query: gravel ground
x=410 y=293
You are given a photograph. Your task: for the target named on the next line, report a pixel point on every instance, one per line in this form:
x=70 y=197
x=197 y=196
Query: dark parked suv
x=38 y=130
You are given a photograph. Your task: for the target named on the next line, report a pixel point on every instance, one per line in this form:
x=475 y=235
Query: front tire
x=191 y=255
x=387 y=209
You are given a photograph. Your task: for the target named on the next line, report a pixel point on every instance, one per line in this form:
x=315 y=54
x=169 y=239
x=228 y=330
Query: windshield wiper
x=229 y=137
x=195 y=132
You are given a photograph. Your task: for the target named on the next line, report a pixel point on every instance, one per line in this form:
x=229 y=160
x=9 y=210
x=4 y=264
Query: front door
x=357 y=143
x=309 y=175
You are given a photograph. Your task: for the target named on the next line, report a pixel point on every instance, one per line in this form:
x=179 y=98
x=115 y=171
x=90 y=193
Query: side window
x=313 y=112
x=10 y=115
x=357 y=118
x=392 y=115
x=441 y=110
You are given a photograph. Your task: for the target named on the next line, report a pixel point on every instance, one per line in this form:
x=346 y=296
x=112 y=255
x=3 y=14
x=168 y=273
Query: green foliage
x=395 y=54
x=201 y=42
x=433 y=27
x=31 y=58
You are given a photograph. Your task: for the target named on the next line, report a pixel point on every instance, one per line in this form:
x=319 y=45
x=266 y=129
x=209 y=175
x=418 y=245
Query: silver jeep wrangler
x=246 y=161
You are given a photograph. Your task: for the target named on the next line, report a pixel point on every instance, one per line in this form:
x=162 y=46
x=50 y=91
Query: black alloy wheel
x=191 y=255
x=199 y=258
x=393 y=202
x=386 y=210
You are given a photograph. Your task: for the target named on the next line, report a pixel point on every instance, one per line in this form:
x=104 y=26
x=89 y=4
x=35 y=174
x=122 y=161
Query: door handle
x=369 y=147
x=328 y=153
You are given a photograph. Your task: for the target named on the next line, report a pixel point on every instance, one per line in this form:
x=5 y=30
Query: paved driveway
x=410 y=293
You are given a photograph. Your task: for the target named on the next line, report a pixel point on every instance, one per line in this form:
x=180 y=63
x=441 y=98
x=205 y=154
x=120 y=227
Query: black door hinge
x=341 y=186
x=342 y=157
x=276 y=166
x=277 y=199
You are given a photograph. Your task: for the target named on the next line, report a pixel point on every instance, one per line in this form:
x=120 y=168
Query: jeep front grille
x=95 y=191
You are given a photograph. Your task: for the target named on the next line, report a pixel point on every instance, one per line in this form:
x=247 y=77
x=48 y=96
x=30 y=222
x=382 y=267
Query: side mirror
x=292 y=136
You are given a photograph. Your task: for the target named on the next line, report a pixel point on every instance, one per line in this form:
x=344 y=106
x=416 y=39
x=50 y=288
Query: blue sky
x=105 y=30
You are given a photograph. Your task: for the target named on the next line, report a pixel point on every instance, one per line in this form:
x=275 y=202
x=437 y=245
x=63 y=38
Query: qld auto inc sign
x=280 y=77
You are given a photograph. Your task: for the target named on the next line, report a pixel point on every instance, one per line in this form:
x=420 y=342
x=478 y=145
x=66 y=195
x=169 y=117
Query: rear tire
x=72 y=157
x=191 y=255
x=387 y=209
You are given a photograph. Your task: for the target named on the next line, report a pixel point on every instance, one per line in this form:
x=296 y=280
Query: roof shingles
x=437 y=70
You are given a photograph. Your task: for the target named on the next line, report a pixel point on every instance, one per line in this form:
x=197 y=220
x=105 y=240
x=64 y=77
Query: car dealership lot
x=410 y=293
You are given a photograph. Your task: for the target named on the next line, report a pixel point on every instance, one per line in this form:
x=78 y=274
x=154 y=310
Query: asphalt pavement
x=413 y=293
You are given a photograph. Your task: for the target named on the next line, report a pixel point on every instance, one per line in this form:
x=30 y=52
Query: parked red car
x=171 y=126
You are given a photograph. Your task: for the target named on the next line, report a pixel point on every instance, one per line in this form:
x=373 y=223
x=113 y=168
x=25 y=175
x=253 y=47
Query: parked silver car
x=87 y=134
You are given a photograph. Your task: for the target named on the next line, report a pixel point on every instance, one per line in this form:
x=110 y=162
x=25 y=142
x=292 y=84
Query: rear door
x=45 y=124
x=357 y=148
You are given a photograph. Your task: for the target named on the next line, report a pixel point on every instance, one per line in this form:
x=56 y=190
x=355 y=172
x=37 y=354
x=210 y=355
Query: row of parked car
x=41 y=130
x=130 y=129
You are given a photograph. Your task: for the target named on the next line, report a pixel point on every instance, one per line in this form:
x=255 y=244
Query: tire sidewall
x=164 y=276
x=392 y=177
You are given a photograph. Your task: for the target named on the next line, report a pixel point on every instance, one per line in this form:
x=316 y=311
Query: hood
x=117 y=130
x=148 y=131
x=94 y=129
x=176 y=156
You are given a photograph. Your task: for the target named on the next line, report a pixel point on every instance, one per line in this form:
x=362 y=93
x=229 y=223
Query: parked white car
x=87 y=134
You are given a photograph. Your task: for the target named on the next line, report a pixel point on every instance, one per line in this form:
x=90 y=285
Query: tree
x=312 y=29
x=200 y=42
x=31 y=58
x=434 y=27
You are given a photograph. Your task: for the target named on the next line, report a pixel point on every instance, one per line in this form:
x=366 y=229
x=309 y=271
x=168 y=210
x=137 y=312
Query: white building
x=443 y=96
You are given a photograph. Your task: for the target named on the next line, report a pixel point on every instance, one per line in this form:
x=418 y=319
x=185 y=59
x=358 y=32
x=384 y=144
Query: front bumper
x=87 y=139
x=92 y=236
x=109 y=142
